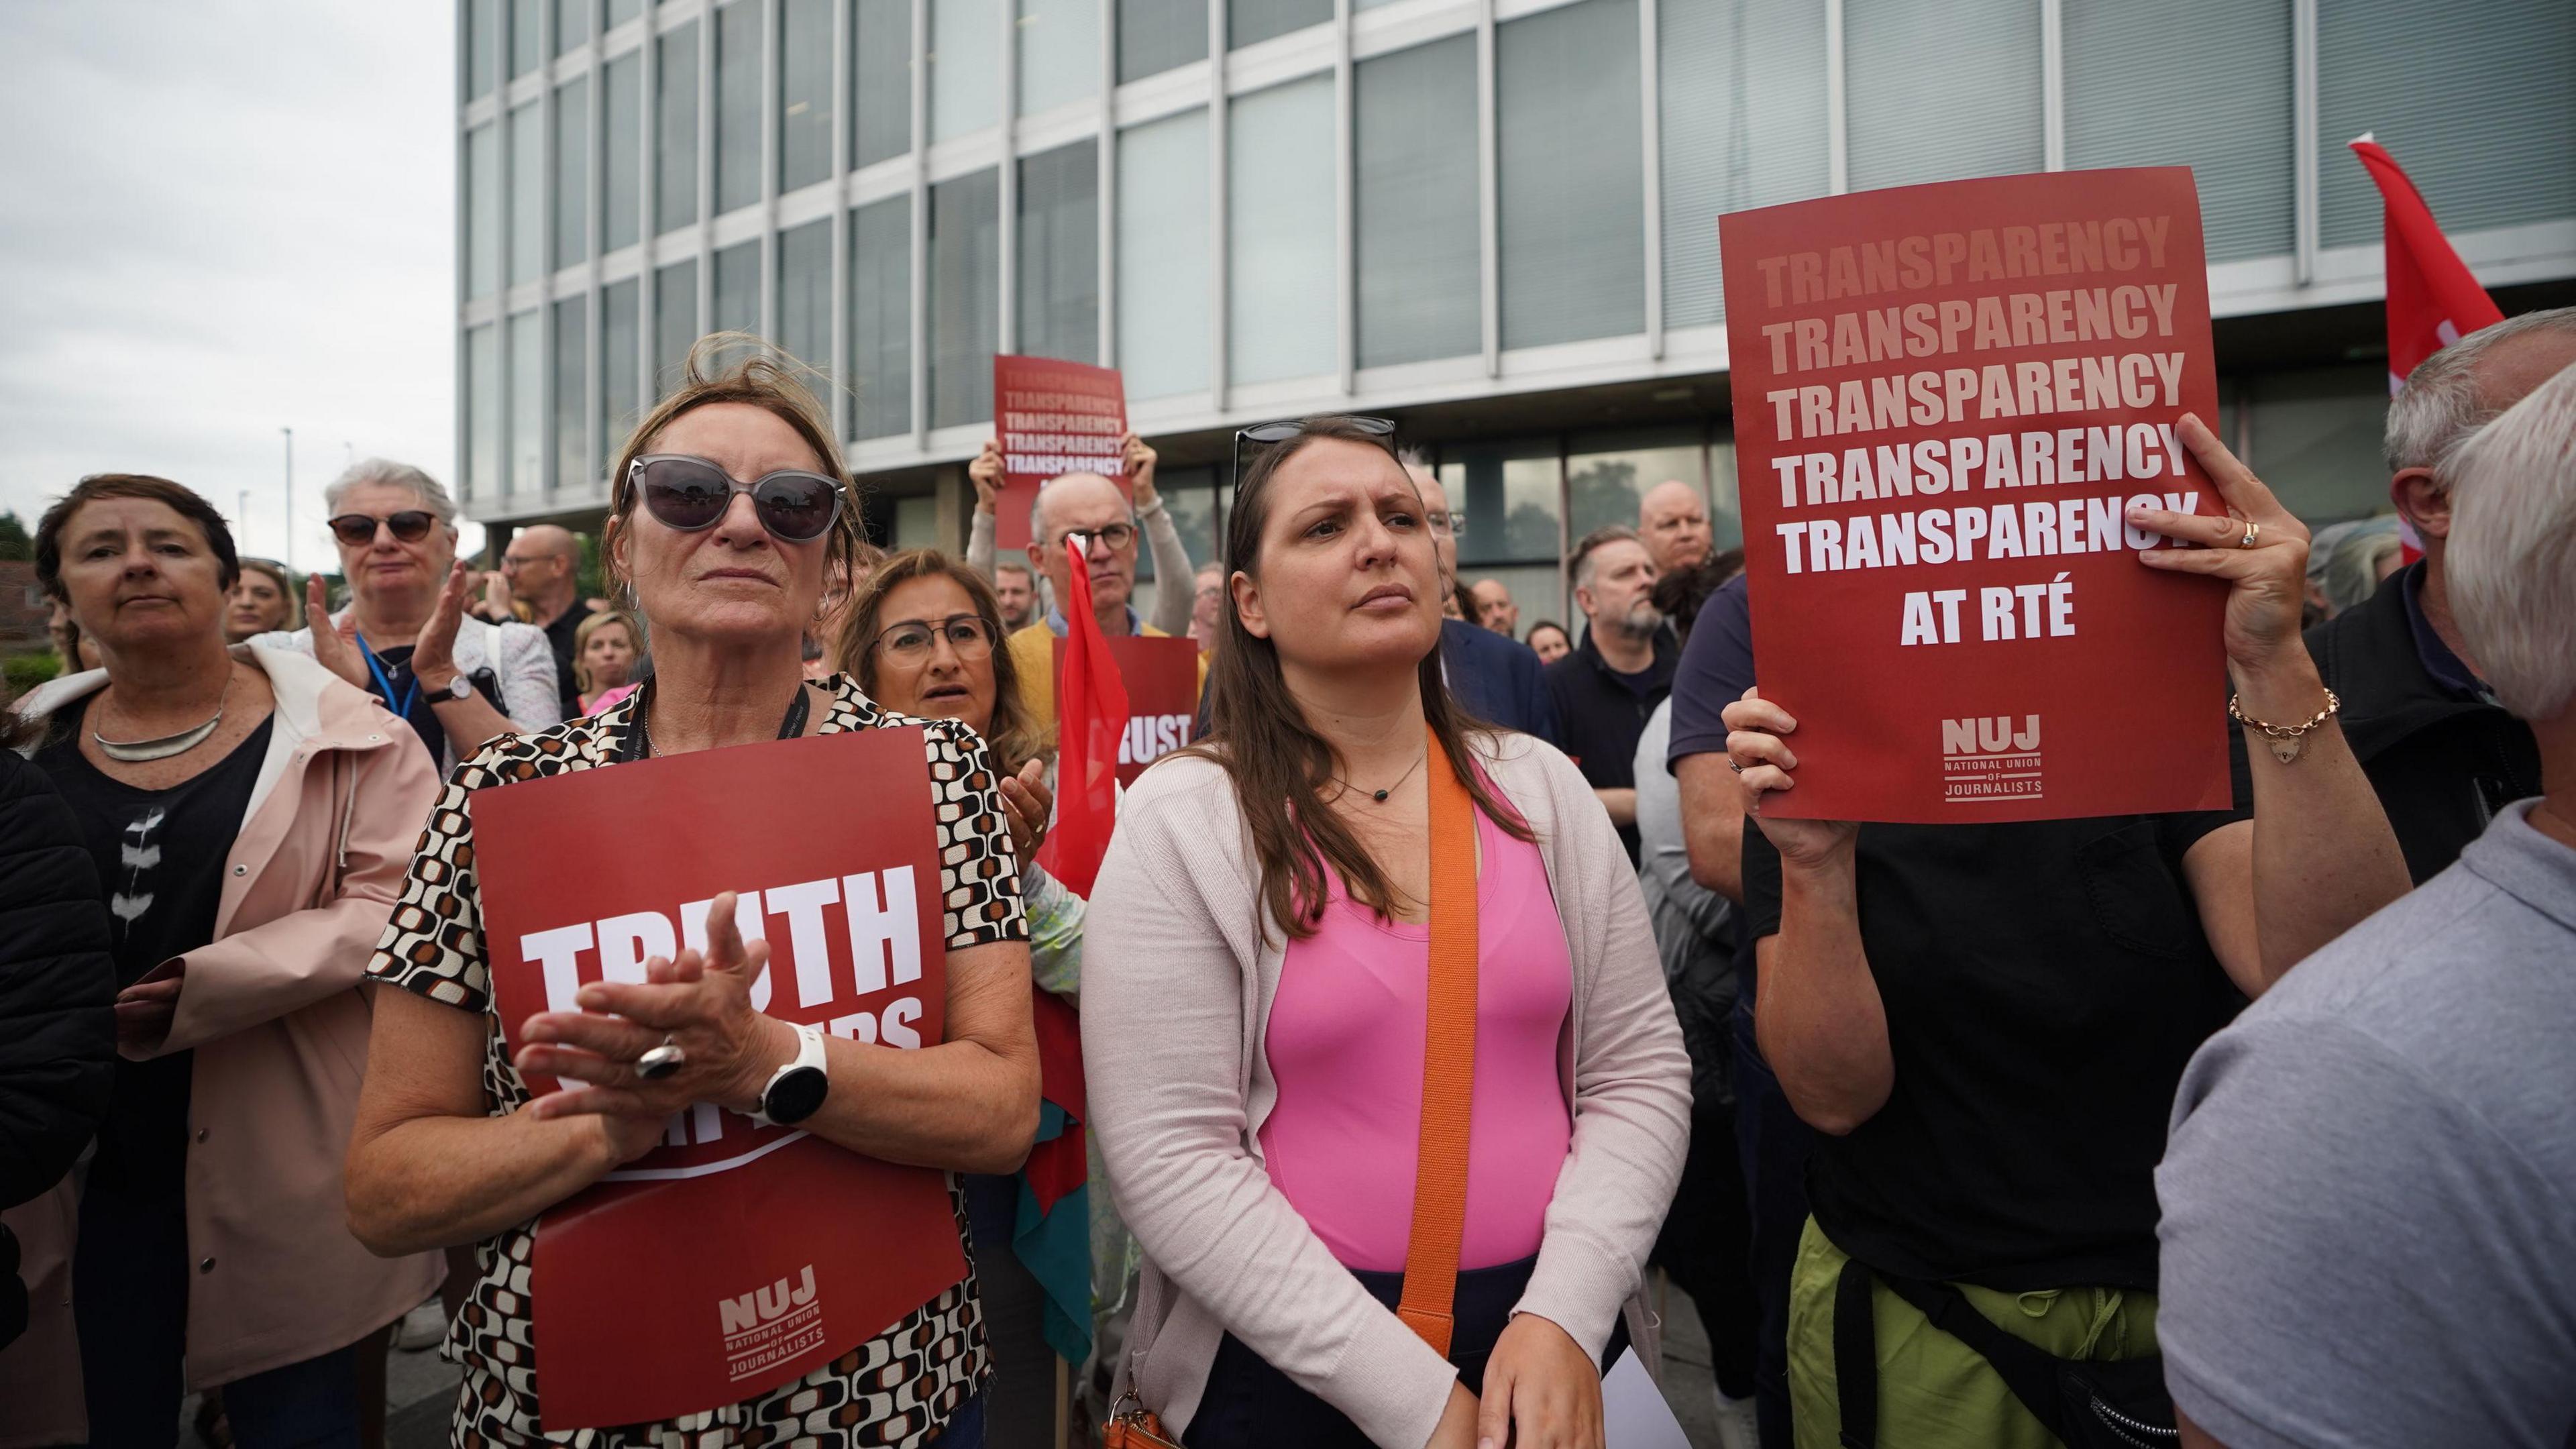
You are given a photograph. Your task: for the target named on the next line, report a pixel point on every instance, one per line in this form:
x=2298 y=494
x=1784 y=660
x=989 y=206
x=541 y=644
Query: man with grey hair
x=2369 y=1192
x=2443 y=756
x=1609 y=686
x=1172 y=604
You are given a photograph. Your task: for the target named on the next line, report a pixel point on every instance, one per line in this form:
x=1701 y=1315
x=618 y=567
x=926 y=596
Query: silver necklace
x=1380 y=795
x=137 y=752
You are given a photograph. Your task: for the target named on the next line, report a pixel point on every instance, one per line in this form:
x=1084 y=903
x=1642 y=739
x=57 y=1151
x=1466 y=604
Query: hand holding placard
x=1763 y=763
x=698 y=1002
x=2266 y=580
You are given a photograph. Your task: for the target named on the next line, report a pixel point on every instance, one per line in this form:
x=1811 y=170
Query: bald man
x=542 y=569
x=1495 y=609
x=1672 y=523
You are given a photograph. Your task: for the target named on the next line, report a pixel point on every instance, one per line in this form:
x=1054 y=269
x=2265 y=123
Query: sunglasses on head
x=357 y=530
x=1263 y=435
x=692 y=495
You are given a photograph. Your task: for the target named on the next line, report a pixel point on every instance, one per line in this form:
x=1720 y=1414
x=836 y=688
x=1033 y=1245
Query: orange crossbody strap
x=1448 y=1062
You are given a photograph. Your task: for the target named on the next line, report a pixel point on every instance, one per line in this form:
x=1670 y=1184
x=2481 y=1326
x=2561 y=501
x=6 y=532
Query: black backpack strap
x=2029 y=1371
x=1856 y=1356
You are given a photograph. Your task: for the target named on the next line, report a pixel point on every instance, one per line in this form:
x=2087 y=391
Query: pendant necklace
x=1380 y=795
x=137 y=752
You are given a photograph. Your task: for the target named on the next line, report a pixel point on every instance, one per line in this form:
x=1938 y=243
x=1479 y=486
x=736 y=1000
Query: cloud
x=224 y=218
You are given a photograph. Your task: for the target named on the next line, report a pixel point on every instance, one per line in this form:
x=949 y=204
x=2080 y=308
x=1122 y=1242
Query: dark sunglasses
x=692 y=494
x=357 y=530
x=1265 y=435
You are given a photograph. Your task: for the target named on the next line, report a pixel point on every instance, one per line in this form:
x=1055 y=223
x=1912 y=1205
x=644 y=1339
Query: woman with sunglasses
x=1269 y=908
x=262 y=602
x=728 y=520
x=405 y=637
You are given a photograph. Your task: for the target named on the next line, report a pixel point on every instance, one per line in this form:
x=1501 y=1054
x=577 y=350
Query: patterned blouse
x=897 y=1390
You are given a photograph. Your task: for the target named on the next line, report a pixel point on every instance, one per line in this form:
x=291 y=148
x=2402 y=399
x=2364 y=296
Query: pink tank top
x=1345 y=1042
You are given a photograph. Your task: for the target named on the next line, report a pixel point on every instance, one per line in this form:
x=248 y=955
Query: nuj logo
x=1989 y=735
x=766 y=1305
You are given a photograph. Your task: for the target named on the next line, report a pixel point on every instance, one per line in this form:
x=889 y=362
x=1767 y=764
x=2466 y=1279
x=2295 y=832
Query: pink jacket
x=273 y=1011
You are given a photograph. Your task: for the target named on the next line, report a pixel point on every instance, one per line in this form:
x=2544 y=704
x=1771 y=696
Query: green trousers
x=1934 y=1392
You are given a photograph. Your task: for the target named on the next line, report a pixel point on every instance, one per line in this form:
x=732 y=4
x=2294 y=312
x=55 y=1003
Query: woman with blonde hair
x=730 y=513
x=262 y=601
x=605 y=649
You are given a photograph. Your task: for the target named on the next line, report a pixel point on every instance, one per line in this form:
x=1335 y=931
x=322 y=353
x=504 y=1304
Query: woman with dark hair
x=730 y=518
x=249 y=815
x=1550 y=640
x=1332 y=1256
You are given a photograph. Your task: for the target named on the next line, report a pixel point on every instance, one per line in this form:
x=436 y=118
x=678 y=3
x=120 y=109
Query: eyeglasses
x=912 y=640
x=1266 y=434
x=357 y=530
x=692 y=494
x=1452 y=523
x=1116 y=535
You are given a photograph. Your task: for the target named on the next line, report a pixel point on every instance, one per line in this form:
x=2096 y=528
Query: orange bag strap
x=1448 y=1061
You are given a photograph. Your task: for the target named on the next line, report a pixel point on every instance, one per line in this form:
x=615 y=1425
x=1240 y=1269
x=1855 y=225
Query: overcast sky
x=219 y=218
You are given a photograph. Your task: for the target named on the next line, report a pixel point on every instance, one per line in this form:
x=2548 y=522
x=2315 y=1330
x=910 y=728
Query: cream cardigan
x=1178 y=979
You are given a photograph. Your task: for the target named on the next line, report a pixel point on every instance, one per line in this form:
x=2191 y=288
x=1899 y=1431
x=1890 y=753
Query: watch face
x=796 y=1095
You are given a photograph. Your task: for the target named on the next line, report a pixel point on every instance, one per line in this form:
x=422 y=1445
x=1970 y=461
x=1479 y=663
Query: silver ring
x=661 y=1061
x=1730 y=763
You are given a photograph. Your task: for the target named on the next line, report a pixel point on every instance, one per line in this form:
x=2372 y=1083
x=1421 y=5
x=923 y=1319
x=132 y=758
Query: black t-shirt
x=560 y=634
x=1601 y=713
x=160 y=855
x=2044 y=982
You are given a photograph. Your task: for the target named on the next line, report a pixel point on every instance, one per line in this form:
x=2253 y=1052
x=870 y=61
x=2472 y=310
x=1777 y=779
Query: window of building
x=1607 y=475
x=916 y=521
x=675 y=323
x=621 y=11
x=572 y=25
x=881 y=317
x=2477 y=100
x=572 y=172
x=527 y=194
x=527 y=36
x=737 y=289
x=1281 y=315
x=964 y=302
x=1511 y=494
x=805 y=295
x=1572 y=174
x=528 y=402
x=480 y=36
x=1416 y=197
x=2220 y=106
x=675 y=109
x=572 y=395
x=1059 y=60
x=2315 y=438
x=1159 y=35
x=482 y=212
x=1938 y=93
x=621 y=394
x=621 y=120
x=737 y=105
x=482 y=411
x=881 y=72
x=965 y=68
x=1250 y=22
x=1163 y=255
x=1742 y=98
x=1058 y=302
x=804 y=92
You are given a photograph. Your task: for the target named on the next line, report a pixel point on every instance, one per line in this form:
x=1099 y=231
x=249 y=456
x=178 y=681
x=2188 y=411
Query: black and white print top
x=896 y=1391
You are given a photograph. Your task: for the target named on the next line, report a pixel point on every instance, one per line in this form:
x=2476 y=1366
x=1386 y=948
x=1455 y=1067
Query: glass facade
x=1461 y=225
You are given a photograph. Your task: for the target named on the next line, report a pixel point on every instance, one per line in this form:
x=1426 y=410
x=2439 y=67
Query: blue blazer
x=1498 y=679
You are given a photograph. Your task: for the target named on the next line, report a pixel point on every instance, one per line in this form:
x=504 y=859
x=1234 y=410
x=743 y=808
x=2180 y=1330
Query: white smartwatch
x=796 y=1090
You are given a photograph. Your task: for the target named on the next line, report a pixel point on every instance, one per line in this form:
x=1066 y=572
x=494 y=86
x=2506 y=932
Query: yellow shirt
x=1033 y=659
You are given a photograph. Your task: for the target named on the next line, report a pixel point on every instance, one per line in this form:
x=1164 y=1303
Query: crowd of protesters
x=2246 y=1127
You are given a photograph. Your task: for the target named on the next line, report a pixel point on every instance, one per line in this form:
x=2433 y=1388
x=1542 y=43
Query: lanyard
x=637 y=743
x=401 y=707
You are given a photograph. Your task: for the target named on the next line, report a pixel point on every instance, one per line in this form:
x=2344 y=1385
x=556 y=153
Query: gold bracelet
x=2286 y=741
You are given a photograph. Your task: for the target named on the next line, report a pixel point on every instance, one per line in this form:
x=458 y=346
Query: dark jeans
x=1706 y=1246
x=1019 y=1402
x=1249 y=1404
x=1774 y=1144
x=130 y=1299
x=965 y=1427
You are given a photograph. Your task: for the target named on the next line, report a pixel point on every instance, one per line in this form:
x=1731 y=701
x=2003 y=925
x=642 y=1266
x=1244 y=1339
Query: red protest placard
x=1053 y=418
x=1945 y=399
x=1162 y=678
x=732 y=1258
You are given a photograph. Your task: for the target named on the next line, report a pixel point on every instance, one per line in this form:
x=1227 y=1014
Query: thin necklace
x=137 y=752
x=1380 y=795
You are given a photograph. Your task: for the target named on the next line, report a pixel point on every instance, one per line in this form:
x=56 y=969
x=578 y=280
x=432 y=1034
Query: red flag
x=1091 y=713
x=2433 y=298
